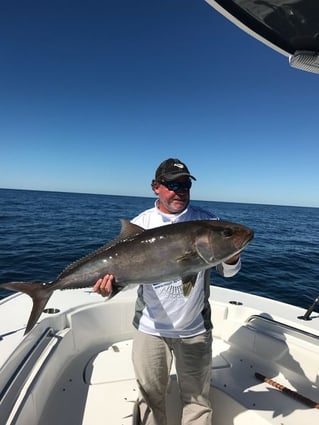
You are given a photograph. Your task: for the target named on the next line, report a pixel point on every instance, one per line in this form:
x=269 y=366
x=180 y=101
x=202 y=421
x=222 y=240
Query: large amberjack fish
x=176 y=251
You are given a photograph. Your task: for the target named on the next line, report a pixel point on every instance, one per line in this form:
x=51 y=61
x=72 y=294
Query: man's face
x=174 y=195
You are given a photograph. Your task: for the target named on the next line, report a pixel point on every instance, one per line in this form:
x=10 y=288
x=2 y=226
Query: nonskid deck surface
x=110 y=391
x=237 y=396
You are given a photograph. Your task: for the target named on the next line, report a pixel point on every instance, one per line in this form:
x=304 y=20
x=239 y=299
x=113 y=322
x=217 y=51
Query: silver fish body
x=176 y=251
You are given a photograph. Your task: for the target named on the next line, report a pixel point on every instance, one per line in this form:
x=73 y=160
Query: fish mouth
x=242 y=241
x=240 y=236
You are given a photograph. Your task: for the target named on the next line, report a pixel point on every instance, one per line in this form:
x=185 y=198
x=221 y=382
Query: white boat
x=74 y=367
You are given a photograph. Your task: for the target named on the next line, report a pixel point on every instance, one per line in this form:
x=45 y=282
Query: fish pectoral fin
x=187 y=256
x=188 y=283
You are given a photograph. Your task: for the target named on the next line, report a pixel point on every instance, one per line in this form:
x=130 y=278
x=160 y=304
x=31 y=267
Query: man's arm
x=230 y=267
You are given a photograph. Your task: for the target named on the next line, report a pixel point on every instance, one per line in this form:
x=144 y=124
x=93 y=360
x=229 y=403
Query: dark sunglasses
x=176 y=186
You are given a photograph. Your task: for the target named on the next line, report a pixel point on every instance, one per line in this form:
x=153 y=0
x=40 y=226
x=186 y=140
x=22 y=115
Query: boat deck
x=109 y=386
x=233 y=378
x=75 y=366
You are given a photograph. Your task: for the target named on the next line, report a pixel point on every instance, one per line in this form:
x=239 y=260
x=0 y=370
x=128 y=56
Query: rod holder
x=306 y=316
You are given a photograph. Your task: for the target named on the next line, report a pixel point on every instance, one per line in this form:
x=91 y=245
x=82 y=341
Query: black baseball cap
x=171 y=169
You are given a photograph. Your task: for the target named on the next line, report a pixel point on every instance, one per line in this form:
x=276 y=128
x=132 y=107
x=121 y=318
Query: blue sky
x=95 y=94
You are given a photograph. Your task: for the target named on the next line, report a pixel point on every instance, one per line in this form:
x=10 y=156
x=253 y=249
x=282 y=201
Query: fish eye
x=228 y=232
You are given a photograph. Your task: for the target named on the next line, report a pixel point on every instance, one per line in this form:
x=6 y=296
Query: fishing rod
x=290 y=393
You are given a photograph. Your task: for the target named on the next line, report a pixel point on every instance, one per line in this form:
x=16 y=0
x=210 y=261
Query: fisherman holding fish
x=168 y=321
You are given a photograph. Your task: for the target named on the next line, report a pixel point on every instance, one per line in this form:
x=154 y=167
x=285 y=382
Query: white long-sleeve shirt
x=161 y=308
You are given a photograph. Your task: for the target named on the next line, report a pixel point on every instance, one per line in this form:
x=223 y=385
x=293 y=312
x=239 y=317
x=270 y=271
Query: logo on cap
x=178 y=165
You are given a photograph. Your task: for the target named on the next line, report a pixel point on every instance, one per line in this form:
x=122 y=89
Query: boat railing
x=269 y=325
x=19 y=382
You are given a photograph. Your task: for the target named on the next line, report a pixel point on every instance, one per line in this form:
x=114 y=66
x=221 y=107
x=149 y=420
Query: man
x=169 y=323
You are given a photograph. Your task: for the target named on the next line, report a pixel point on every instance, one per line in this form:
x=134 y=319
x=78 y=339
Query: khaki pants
x=152 y=359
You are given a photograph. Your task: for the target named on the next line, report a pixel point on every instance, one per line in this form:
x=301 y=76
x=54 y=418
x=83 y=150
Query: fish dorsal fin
x=129 y=229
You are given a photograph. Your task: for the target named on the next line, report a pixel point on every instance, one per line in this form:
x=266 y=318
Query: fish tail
x=40 y=294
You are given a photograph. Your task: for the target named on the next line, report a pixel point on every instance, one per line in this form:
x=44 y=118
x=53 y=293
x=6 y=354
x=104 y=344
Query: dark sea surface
x=42 y=232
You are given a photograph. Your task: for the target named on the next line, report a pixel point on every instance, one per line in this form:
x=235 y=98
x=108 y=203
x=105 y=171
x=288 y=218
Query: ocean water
x=42 y=232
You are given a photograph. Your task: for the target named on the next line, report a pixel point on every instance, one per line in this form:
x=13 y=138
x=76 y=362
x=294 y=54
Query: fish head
x=218 y=240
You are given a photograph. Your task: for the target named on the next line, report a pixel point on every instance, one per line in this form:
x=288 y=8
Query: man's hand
x=104 y=286
x=233 y=260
